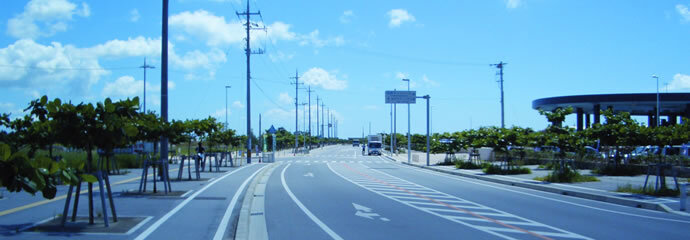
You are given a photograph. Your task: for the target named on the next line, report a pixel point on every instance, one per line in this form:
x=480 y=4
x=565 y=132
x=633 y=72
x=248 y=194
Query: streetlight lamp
x=226 y=107
x=408 y=123
x=657 y=100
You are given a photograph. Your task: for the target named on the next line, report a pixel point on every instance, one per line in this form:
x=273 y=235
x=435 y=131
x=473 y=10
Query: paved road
x=336 y=193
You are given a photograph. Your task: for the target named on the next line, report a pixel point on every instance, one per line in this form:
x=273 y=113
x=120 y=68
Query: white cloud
x=124 y=87
x=280 y=114
x=196 y=59
x=220 y=114
x=320 y=77
x=134 y=15
x=398 y=17
x=285 y=99
x=280 y=56
x=429 y=82
x=216 y=31
x=43 y=18
x=314 y=39
x=681 y=82
x=347 y=16
x=48 y=67
x=12 y=109
x=683 y=11
x=131 y=47
x=401 y=75
x=513 y=3
x=213 y=29
x=237 y=104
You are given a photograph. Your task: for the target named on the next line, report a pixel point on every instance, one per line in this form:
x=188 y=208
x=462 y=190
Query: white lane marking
x=165 y=217
x=422 y=209
x=553 y=199
x=305 y=210
x=492 y=211
x=187 y=193
x=220 y=233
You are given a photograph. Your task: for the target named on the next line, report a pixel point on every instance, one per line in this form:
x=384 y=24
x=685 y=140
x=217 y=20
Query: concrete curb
x=252 y=220
x=585 y=195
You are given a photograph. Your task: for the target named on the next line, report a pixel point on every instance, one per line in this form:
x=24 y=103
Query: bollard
x=683 y=196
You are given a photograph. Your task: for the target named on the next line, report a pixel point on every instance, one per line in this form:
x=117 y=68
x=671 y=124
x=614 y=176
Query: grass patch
x=567 y=175
x=495 y=169
x=470 y=165
x=547 y=166
x=620 y=170
x=663 y=192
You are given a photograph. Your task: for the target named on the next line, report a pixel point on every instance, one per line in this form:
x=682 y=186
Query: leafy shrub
x=469 y=165
x=496 y=169
x=566 y=175
x=663 y=192
x=620 y=170
x=128 y=161
x=547 y=166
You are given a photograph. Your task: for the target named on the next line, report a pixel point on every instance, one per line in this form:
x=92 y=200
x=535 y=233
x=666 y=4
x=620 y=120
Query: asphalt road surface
x=337 y=193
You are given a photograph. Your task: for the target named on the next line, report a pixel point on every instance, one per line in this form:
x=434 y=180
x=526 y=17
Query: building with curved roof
x=671 y=105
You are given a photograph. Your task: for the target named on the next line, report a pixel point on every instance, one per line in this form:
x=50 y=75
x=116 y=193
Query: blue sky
x=349 y=52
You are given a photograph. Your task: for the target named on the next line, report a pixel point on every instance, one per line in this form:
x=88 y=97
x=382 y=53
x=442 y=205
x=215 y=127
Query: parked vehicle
x=355 y=143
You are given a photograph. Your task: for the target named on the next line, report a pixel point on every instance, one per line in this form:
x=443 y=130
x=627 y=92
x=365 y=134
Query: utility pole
x=296 y=83
x=328 y=123
x=248 y=52
x=317 y=116
x=261 y=142
x=164 y=88
x=323 y=118
x=309 y=92
x=145 y=67
x=226 y=107
x=304 y=125
x=500 y=72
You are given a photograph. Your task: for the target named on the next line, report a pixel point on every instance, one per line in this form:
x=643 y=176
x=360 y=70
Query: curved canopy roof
x=634 y=103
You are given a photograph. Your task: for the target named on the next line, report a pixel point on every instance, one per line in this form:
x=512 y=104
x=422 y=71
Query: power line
x=413 y=59
x=267 y=97
x=67 y=69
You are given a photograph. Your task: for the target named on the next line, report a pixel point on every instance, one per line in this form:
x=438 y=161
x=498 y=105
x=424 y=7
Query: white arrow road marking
x=366 y=215
x=365 y=212
x=361 y=208
x=309 y=174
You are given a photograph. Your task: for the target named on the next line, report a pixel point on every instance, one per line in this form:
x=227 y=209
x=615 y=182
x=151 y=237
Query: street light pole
x=226 y=107
x=409 y=143
x=657 y=100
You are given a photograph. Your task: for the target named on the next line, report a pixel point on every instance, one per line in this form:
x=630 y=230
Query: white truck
x=374 y=144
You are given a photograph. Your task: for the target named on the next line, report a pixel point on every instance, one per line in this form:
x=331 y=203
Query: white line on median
x=220 y=233
x=459 y=178
x=305 y=210
x=160 y=221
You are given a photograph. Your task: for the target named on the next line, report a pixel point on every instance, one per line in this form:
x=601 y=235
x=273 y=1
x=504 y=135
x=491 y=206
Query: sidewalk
x=604 y=190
